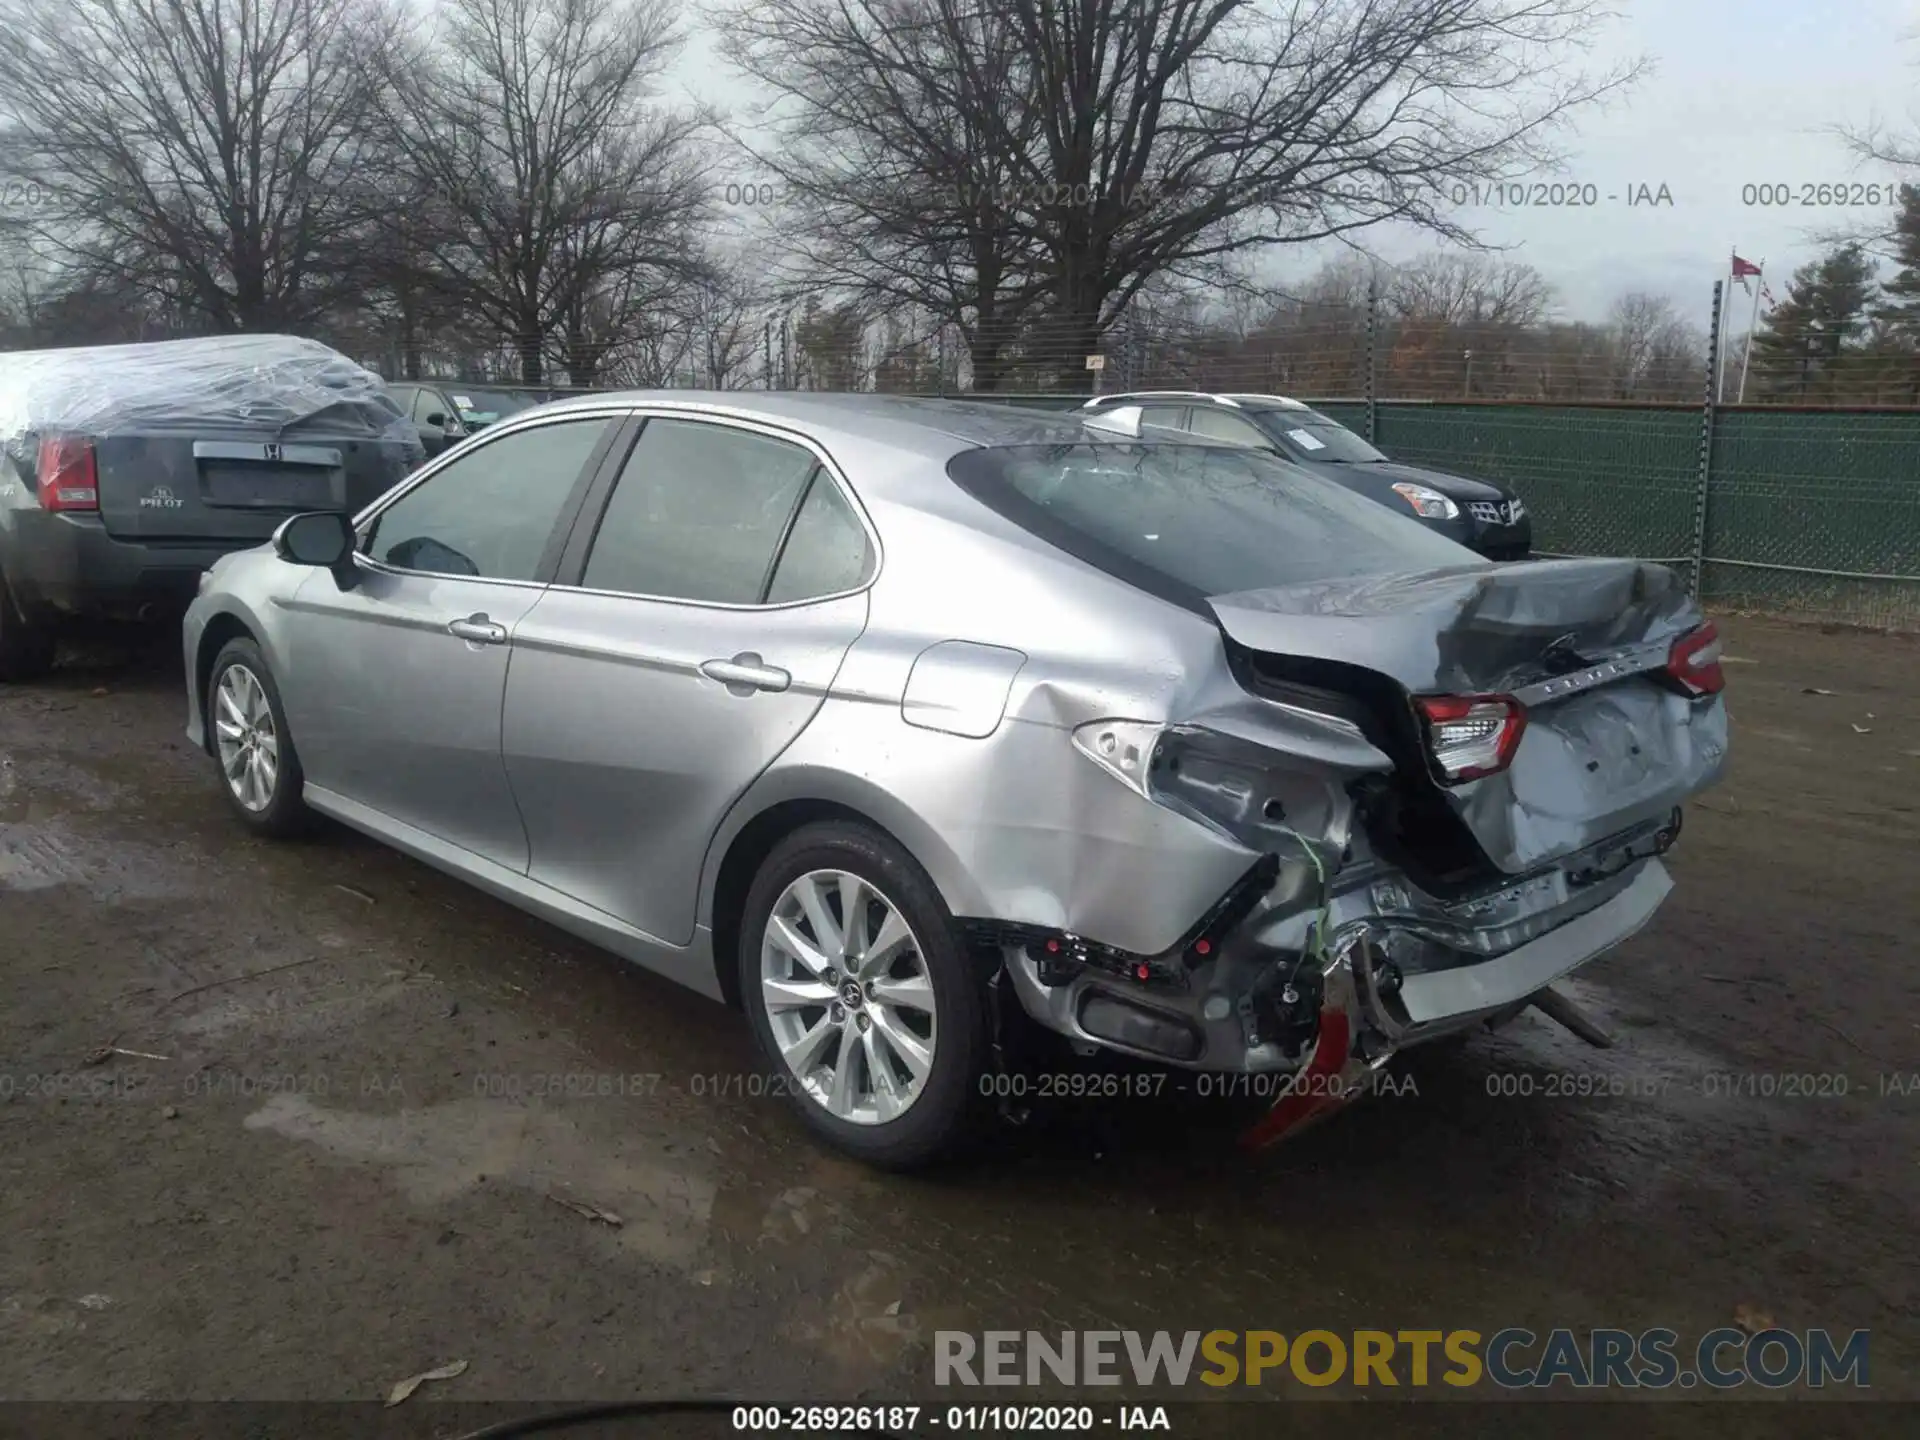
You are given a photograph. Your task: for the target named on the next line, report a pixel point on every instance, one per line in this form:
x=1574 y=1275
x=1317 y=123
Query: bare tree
x=1313 y=340
x=1468 y=290
x=1655 y=354
x=1133 y=138
x=731 y=320
x=704 y=326
x=897 y=130
x=204 y=151
x=529 y=122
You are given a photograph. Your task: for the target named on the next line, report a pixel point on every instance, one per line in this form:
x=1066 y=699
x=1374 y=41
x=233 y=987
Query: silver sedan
x=892 y=722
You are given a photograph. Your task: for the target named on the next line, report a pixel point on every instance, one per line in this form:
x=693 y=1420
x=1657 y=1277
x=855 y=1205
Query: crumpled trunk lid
x=1579 y=642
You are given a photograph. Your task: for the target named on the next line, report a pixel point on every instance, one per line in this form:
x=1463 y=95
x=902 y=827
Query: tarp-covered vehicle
x=126 y=470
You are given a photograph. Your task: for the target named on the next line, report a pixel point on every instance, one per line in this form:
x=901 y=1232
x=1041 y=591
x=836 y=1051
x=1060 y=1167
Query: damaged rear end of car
x=1446 y=785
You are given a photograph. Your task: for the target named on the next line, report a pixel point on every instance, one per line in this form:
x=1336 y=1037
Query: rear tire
x=26 y=649
x=879 y=1036
x=247 y=729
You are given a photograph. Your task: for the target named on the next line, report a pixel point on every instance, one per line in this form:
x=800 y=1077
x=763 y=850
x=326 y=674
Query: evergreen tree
x=1895 y=336
x=1805 y=342
x=1899 y=306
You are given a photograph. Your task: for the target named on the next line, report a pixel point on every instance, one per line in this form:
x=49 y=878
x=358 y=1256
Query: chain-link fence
x=1810 y=513
x=1617 y=443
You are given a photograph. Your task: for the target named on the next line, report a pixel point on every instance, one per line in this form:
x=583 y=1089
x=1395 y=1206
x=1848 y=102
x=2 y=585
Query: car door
x=698 y=619
x=393 y=687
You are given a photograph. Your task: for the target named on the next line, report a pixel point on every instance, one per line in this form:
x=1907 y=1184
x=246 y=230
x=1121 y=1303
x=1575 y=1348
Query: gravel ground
x=360 y=1118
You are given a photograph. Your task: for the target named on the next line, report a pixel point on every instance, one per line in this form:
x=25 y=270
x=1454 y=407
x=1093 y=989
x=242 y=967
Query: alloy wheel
x=848 y=996
x=245 y=737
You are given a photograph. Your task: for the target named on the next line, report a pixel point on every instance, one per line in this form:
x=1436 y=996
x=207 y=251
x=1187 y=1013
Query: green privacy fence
x=1809 y=513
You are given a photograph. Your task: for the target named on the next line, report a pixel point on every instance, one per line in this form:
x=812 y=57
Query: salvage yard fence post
x=1704 y=475
x=1372 y=391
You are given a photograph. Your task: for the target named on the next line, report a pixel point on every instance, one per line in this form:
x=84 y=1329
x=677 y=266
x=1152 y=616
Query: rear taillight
x=66 y=475
x=1471 y=735
x=1694 y=662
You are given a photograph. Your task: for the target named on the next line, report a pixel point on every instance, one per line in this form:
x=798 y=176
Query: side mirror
x=323 y=539
x=437 y=420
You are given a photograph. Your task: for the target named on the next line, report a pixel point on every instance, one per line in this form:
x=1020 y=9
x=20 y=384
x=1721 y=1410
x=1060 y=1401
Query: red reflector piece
x=1471 y=735
x=1694 y=661
x=66 y=474
x=1203 y=947
x=1053 y=947
x=1317 y=1092
x=1143 y=972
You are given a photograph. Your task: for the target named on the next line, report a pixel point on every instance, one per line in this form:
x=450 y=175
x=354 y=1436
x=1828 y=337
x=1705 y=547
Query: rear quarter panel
x=1014 y=824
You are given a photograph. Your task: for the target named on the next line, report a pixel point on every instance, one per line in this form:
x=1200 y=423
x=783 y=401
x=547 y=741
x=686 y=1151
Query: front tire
x=259 y=768
x=863 y=998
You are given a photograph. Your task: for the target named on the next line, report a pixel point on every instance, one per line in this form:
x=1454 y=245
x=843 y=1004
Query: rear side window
x=826 y=552
x=490 y=513
x=697 y=514
x=1219 y=425
x=1190 y=521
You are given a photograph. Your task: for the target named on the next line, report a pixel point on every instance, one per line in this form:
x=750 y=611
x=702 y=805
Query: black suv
x=1479 y=514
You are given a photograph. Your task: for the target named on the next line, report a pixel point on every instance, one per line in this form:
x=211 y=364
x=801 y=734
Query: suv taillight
x=1694 y=662
x=66 y=475
x=1471 y=735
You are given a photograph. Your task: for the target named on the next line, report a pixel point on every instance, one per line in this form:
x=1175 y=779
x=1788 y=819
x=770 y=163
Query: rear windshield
x=1189 y=521
x=1315 y=437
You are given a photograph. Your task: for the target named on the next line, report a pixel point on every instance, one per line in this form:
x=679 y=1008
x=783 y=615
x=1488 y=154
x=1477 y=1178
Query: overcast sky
x=1741 y=92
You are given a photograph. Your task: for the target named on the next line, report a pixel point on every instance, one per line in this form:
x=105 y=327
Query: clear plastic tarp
x=270 y=382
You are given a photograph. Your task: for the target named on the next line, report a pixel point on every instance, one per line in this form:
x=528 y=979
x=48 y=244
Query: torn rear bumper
x=1443 y=997
x=1362 y=1025
x=1253 y=995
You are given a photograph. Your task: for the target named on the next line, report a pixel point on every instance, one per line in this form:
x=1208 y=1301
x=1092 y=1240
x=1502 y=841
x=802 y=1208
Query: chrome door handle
x=478 y=629
x=746 y=672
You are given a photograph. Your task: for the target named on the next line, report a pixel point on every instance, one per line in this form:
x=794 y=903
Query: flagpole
x=1753 y=322
x=1720 y=379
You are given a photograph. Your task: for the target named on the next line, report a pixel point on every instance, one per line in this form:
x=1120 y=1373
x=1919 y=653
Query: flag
x=1767 y=295
x=1744 y=268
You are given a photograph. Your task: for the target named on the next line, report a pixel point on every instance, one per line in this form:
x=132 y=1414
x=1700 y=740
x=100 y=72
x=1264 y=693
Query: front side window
x=698 y=513
x=1190 y=521
x=491 y=512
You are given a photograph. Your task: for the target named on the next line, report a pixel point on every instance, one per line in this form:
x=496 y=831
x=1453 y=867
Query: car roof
x=933 y=428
